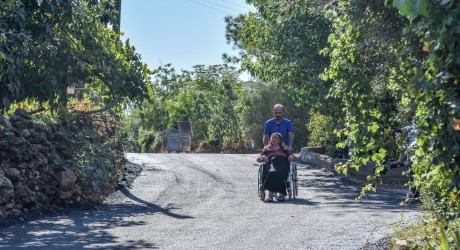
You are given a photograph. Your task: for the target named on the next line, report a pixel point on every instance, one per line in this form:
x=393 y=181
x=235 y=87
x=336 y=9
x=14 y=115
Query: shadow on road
x=165 y=211
x=296 y=201
x=334 y=191
x=80 y=228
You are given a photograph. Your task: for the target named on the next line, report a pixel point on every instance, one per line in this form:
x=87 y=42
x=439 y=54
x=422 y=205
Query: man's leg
x=413 y=189
x=412 y=194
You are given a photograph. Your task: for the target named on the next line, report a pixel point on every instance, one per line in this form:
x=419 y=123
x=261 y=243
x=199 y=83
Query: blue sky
x=181 y=32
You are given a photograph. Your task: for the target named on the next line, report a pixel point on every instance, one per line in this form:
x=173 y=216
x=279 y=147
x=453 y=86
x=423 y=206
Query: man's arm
x=266 y=133
x=399 y=162
x=401 y=157
x=291 y=139
x=291 y=134
x=265 y=139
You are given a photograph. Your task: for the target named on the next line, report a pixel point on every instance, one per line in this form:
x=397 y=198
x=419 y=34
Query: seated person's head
x=276 y=139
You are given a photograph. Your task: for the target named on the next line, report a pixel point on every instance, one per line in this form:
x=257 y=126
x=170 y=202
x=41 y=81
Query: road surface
x=209 y=201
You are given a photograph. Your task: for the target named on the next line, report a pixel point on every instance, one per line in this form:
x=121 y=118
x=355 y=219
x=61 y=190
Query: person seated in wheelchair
x=276 y=158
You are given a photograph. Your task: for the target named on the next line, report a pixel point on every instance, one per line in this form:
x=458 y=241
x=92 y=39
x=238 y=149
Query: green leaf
x=457 y=239
x=400 y=4
x=412 y=8
x=329 y=15
x=444 y=239
x=373 y=127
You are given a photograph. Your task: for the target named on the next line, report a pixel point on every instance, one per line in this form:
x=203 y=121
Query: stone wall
x=30 y=173
x=393 y=177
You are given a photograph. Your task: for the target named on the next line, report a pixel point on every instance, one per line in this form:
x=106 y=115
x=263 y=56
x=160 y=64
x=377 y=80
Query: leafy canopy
x=48 y=46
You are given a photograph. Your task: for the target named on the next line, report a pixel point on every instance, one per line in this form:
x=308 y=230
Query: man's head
x=395 y=133
x=278 y=112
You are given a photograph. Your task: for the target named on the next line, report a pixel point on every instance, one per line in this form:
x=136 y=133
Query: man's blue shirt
x=283 y=128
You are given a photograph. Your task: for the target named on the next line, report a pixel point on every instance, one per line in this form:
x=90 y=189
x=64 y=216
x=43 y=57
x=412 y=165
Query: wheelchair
x=292 y=185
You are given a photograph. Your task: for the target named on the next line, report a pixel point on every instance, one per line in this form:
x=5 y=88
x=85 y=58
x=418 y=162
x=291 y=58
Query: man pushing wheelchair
x=276 y=156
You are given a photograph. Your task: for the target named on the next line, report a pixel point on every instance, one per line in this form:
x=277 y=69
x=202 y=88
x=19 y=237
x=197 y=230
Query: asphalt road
x=209 y=201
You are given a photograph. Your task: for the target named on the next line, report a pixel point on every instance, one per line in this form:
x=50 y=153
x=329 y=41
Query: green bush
x=146 y=139
x=92 y=147
x=321 y=133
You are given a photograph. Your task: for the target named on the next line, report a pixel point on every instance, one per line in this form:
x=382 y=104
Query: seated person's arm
x=262 y=158
x=291 y=156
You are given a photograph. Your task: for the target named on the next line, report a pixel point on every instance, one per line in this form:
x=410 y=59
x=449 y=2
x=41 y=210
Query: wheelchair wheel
x=288 y=186
x=260 y=186
x=293 y=183
x=289 y=191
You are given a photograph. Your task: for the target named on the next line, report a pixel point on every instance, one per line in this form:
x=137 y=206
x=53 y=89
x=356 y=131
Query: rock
x=22 y=194
x=42 y=160
x=51 y=188
x=19 y=205
x=65 y=195
x=9 y=205
x=4 y=122
x=23 y=113
x=25 y=133
x=20 y=124
x=43 y=199
x=22 y=166
x=13 y=174
x=322 y=161
x=3 y=144
x=42 y=128
x=9 y=135
x=32 y=174
x=43 y=137
x=6 y=190
x=400 y=243
x=68 y=179
x=32 y=157
x=95 y=199
x=319 y=150
x=15 y=212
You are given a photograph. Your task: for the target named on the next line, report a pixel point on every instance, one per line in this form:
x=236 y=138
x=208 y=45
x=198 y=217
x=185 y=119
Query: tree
x=53 y=45
x=49 y=46
x=383 y=71
x=433 y=66
x=363 y=52
x=208 y=96
x=282 y=43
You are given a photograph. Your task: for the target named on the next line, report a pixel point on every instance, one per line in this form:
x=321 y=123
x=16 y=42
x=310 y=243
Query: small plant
x=429 y=234
x=448 y=239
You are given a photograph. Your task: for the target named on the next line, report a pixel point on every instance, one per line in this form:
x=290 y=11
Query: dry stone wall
x=31 y=176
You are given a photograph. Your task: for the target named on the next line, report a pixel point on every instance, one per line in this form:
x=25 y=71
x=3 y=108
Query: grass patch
x=427 y=234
